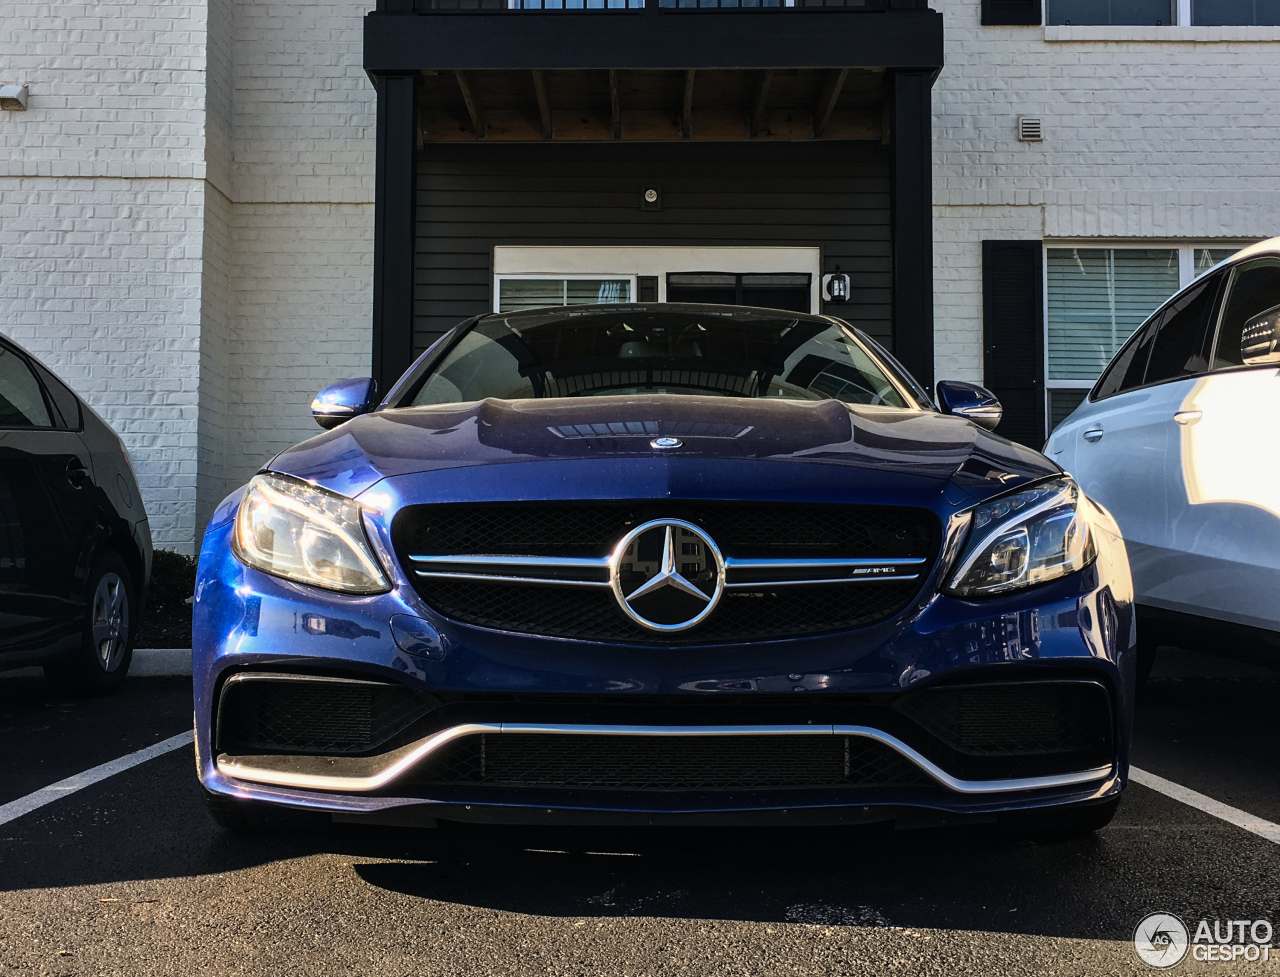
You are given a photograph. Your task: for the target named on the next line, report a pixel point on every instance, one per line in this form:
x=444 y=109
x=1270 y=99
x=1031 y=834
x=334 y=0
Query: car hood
x=353 y=457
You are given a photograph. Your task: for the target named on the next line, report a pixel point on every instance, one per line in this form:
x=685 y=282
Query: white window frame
x=611 y=261
x=1186 y=275
x=575 y=277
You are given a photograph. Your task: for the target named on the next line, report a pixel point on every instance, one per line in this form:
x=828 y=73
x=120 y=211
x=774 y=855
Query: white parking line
x=47 y=795
x=1225 y=812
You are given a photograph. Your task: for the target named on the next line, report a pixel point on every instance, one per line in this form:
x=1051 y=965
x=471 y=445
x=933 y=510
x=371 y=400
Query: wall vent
x=1030 y=128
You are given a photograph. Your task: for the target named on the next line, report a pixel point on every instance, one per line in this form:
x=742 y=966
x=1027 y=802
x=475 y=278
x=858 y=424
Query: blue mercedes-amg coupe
x=662 y=564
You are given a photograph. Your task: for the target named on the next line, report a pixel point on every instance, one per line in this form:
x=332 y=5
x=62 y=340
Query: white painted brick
x=159 y=133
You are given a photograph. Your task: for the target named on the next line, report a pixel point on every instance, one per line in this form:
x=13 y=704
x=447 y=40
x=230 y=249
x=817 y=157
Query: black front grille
x=593 y=615
x=743 y=530
x=667 y=763
x=593 y=528
x=263 y=713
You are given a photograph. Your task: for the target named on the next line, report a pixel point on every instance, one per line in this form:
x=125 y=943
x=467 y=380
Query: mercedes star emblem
x=667 y=575
x=664 y=443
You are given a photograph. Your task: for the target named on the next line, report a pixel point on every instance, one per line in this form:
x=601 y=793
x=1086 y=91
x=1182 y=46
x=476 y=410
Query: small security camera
x=13 y=98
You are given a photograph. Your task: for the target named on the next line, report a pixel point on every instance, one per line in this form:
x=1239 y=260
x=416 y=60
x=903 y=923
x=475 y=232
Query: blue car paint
x=861 y=441
x=800 y=452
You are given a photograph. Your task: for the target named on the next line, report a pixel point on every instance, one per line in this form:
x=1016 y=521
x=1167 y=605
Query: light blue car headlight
x=1025 y=538
x=290 y=529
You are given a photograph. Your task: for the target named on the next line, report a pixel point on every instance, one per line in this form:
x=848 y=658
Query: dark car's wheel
x=1066 y=823
x=106 y=644
x=251 y=817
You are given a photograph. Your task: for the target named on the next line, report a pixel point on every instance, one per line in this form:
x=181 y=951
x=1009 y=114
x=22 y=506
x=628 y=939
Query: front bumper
x=247 y=621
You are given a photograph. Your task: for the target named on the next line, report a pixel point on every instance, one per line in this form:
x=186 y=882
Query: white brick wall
x=1150 y=133
x=305 y=111
x=117 y=88
x=303 y=286
x=291 y=140
x=218 y=418
x=186 y=224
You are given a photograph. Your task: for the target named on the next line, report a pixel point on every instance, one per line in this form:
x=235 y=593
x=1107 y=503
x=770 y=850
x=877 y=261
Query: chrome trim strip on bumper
x=732 y=563
x=496 y=578
x=357 y=775
x=549 y=562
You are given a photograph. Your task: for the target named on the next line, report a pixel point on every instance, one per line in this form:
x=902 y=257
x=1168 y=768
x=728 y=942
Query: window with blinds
x=1097 y=297
x=518 y=294
x=1205 y=258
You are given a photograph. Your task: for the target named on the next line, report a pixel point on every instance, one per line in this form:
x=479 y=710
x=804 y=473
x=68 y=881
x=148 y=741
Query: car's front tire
x=102 y=661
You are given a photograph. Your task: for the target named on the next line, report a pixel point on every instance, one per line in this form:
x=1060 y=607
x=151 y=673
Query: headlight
x=1026 y=538
x=293 y=530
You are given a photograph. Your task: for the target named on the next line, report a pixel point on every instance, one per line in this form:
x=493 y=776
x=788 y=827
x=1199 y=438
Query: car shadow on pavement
x=145 y=832
x=957 y=878
x=969 y=878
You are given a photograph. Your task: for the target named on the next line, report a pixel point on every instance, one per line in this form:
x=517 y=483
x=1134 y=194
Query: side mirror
x=344 y=400
x=970 y=401
x=1260 y=340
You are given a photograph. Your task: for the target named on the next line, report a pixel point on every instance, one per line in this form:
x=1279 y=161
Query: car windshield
x=620 y=351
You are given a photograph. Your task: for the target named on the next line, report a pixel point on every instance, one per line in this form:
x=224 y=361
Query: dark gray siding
x=833 y=195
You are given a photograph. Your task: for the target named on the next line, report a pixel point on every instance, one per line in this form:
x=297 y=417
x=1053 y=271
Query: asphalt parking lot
x=129 y=876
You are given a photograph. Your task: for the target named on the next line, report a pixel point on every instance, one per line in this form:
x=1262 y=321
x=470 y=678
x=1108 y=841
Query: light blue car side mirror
x=970 y=401
x=344 y=400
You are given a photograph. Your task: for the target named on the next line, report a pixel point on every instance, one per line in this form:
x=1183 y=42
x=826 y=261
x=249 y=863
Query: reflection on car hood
x=352 y=457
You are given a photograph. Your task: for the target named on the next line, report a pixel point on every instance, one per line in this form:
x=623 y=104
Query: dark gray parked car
x=75 y=547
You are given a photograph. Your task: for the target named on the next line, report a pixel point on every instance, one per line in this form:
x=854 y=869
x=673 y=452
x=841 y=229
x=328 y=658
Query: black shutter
x=1010 y=13
x=1013 y=336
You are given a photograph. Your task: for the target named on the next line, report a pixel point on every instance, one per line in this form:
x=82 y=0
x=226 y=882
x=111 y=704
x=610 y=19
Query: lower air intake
x=269 y=713
x=1011 y=729
x=667 y=763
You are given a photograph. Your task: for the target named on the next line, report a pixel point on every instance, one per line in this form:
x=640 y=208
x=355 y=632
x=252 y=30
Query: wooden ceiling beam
x=473 y=110
x=761 y=101
x=827 y=100
x=544 y=103
x=615 y=103
x=686 y=111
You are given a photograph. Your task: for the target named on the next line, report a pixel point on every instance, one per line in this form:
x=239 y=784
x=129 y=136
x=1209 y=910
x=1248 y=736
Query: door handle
x=77 y=474
x=1093 y=434
x=1187 y=416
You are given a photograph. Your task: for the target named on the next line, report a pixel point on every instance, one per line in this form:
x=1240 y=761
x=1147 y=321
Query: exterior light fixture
x=835 y=287
x=13 y=98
